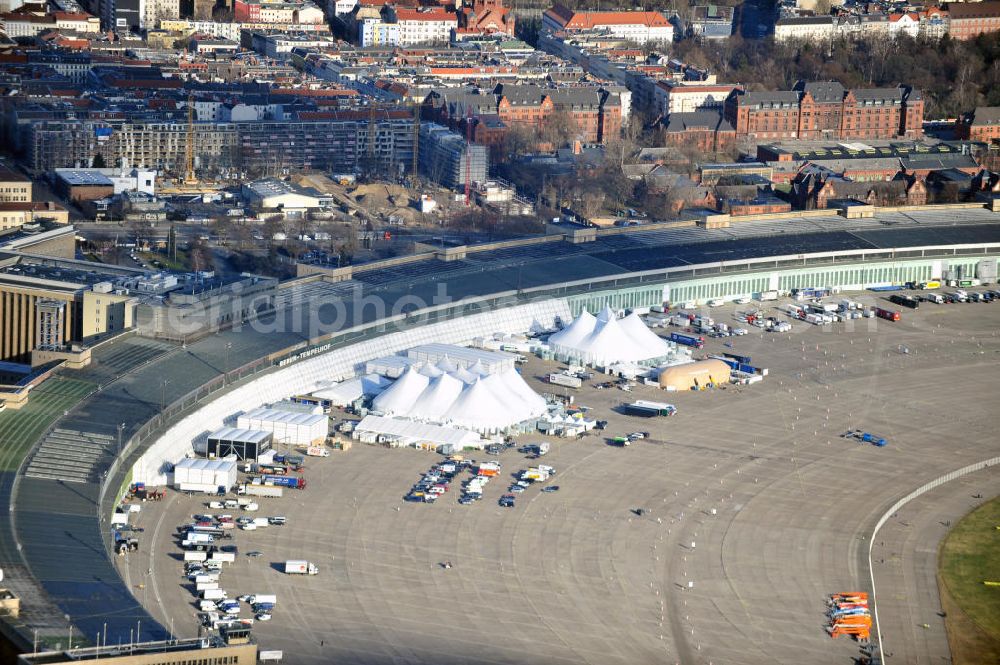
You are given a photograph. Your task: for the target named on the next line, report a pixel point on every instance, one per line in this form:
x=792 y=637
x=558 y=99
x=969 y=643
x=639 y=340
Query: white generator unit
x=301 y=429
x=204 y=475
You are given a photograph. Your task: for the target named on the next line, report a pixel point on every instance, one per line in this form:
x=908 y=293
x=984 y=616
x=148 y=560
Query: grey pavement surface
x=905 y=556
x=574 y=576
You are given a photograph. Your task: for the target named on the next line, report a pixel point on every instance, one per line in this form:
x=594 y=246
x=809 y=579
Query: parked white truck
x=260 y=490
x=300 y=568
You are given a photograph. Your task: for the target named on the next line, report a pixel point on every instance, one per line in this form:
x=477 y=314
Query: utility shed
x=204 y=475
x=246 y=444
x=301 y=429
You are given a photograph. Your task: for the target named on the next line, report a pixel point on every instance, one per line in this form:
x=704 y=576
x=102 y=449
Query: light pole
x=121 y=428
x=163 y=393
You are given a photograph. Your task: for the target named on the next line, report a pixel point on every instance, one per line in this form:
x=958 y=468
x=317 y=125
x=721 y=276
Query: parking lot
x=754 y=509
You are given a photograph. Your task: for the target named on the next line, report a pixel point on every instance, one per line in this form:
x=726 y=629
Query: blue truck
x=688 y=340
x=285 y=481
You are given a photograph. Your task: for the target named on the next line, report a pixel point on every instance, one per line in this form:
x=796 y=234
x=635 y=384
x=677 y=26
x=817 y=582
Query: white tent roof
x=352 y=389
x=479 y=368
x=446 y=365
x=400 y=397
x=414 y=432
x=574 y=333
x=516 y=384
x=465 y=376
x=435 y=401
x=608 y=340
x=476 y=408
x=430 y=370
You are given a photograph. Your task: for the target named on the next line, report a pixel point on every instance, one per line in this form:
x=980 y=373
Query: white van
x=716 y=302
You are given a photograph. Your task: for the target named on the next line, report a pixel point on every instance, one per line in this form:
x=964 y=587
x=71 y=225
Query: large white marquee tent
x=605 y=339
x=468 y=397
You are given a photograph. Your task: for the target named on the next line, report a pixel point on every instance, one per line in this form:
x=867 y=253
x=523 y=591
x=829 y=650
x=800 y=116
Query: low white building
x=204 y=475
x=807 y=28
x=300 y=429
x=279 y=196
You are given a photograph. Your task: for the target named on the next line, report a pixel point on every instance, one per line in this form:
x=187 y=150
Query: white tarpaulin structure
x=467 y=397
x=352 y=390
x=295 y=428
x=409 y=433
x=606 y=340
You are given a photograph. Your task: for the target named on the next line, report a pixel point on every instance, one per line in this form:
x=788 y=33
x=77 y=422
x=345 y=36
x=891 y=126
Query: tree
x=98 y=162
x=559 y=128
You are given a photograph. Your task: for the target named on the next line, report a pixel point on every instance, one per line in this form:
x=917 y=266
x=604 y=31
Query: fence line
x=923 y=489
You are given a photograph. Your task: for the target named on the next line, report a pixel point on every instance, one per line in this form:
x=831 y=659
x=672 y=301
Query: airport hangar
x=55 y=542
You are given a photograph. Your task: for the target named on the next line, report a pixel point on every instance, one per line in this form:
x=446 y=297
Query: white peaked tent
x=575 y=332
x=446 y=365
x=476 y=408
x=435 y=401
x=479 y=369
x=516 y=384
x=605 y=340
x=513 y=406
x=400 y=397
x=430 y=370
x=465 y=376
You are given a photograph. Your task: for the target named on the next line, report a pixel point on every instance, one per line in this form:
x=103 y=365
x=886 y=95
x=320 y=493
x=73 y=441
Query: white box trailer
x=195 y=556
x=223 y=557
x=301 y=429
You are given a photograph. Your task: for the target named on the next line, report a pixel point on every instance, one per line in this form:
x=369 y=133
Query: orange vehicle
x=860 y=632
x=849 y=596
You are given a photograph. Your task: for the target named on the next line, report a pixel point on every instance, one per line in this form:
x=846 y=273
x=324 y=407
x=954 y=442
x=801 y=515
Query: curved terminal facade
x=170 y=402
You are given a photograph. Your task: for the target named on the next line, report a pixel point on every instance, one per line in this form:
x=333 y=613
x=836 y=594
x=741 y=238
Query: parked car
x=550 y=488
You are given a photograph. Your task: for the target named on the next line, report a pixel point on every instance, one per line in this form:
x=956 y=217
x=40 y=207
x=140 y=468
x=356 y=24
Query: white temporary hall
x=605 y=340
x=459 y=356
x=349 y=391
x=301 y=429
x=373 y=429
x=204 y=475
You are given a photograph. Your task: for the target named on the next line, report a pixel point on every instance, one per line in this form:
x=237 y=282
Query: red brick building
x=970 y=19
x=983 y=124
x=827 y=110
x=595 y=112
x=707 y=131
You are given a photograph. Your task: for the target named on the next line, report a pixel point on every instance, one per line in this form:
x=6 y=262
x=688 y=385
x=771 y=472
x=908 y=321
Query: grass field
x=969 y=556
x=19 y=429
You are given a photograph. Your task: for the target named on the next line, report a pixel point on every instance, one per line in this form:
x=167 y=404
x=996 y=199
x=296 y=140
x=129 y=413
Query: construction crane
x=189 y=176
x=416 y=144
x=468 y=157
x=371 y=166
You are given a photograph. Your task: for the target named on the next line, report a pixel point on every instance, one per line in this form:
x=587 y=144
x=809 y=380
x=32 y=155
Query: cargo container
x=746 y=360
x=887 y=314
x=261 y=521
x=560 y=379
x=223 y=557
x=213 y=594
x=317 y=451
x=300 y=568
x=905 y=301
x=206 y=586
x=206 y=605
x=195 y=556
x=881 y=289
x=687 y=340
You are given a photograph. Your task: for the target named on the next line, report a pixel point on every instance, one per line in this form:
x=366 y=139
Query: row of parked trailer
x=848 y=614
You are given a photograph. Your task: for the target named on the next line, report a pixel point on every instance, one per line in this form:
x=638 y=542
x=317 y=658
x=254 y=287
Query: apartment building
x=426 y=25
x=14 y=187
x=818 y=110
x=971 y=19
x=679 y=97
x=637 y=26
x=983 y=124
